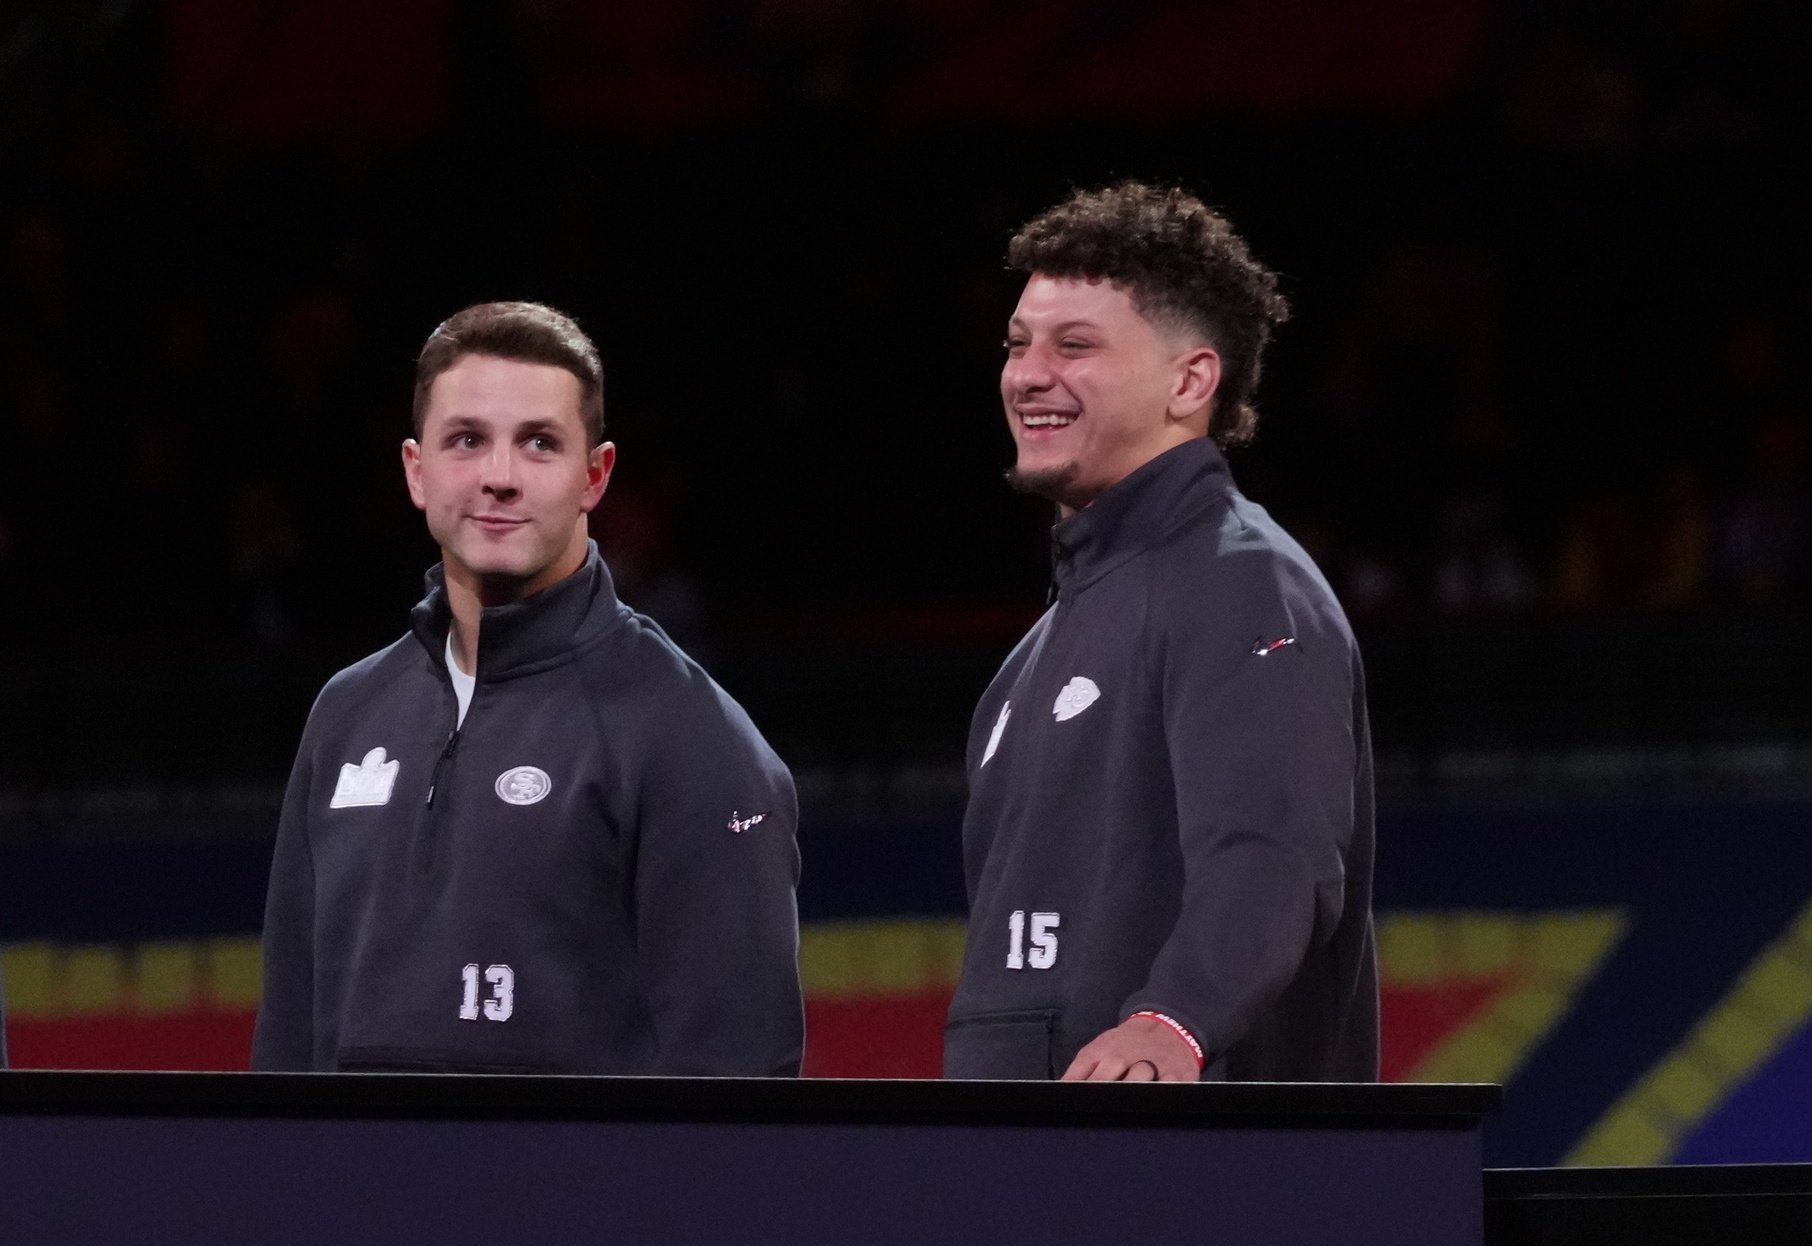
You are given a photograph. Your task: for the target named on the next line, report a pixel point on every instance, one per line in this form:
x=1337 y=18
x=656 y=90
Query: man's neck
x=467 y=608
x=467 y=597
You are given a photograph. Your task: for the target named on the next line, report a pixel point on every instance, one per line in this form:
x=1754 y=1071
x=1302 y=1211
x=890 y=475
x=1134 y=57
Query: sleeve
x=2 y=1023
x=716 y=921
x=284 y=1038
x=1262 y=755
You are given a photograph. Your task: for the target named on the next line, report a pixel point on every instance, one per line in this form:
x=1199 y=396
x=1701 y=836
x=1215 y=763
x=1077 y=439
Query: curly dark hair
x=1184 y=268
x=524 y=332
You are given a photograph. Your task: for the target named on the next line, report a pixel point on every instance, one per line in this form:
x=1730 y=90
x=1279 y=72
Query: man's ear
x=412 y=472
x=1198 y=377
x=598 y=466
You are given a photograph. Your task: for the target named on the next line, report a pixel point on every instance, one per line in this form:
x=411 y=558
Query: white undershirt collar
x=463 y=684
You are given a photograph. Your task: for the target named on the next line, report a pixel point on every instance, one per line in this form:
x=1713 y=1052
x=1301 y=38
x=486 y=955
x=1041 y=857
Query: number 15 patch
x=1043 y=952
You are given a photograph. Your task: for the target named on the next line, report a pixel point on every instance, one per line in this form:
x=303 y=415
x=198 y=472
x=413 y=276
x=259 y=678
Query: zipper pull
x=446 y=754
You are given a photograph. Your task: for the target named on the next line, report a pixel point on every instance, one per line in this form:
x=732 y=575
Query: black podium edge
x=1647 y=1181
x=1215 y=1105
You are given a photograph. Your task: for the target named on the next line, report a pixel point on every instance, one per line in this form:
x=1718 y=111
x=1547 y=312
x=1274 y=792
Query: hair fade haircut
x=1184 y=269
x=525 y=333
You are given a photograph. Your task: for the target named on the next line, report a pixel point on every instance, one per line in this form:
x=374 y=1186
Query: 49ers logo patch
x=523 y=785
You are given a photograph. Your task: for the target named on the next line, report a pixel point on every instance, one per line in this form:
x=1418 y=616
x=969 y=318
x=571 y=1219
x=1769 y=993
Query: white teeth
x=1047 y=421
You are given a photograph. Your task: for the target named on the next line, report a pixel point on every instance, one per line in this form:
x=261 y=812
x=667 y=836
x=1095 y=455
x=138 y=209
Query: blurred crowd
x=1543 y=358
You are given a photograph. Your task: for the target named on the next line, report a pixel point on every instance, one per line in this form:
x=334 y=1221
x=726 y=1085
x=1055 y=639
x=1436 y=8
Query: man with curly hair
x=1168 y=843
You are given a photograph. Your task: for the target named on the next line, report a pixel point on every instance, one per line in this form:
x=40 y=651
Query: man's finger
x=1141 y=1071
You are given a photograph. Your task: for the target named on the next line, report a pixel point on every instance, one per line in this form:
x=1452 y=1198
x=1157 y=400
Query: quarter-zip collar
x=528 y=635
x=1136 y=513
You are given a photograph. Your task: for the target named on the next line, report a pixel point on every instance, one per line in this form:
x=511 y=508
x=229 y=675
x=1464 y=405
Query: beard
x=1054 y=484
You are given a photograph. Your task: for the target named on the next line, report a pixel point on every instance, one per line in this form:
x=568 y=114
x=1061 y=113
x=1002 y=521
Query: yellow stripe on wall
x=1547 y=958
x=842 y=960
x=1768 y=1005
x=47 y=981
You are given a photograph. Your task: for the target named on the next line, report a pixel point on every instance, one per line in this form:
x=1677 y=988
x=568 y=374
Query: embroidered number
x=468 y=1008
x=1043 y=953
x=1044 y=941
x=503 y=993
x=501 y=1001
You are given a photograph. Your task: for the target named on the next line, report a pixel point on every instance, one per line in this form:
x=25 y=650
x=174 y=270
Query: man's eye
x=544 y=444
x=1014 y=345
x=1070 y=343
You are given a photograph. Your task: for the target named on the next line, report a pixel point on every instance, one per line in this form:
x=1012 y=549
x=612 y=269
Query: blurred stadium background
x=1538 y=416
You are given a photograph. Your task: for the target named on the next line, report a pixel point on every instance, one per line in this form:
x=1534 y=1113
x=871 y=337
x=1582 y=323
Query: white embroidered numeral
x=1044 y=940
x=468 y=1008
x=503 y=993
x=501 y=1001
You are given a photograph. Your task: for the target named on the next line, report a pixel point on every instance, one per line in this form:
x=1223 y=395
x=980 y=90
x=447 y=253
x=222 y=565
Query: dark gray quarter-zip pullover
x=1170 y=800
x=594 y=874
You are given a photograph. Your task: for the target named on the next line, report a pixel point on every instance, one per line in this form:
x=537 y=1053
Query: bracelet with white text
x=1182 y=1033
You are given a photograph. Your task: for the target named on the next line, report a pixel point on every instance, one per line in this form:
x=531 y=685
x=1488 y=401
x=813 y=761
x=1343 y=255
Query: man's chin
x=496 y=579
x=1055 y=483
x=489 y=564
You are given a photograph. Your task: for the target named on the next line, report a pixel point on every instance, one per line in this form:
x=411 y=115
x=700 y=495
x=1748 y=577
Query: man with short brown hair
x=532 y=835
x=1169 y=834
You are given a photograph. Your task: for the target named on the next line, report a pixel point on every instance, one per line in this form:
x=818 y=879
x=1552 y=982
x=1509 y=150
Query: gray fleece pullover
x=1170 y=800
x=594 y=874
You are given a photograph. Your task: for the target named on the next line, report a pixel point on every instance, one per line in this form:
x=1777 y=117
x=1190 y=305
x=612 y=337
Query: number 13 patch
x=498 y=1003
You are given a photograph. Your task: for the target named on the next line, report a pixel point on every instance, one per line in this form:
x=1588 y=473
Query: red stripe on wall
x=876 y=1035
x=846 y=1036
x=214 y=1041
x=1417 y=1019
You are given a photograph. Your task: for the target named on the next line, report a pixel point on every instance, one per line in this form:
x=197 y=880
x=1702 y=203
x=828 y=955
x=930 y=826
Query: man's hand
x=1139 y=1049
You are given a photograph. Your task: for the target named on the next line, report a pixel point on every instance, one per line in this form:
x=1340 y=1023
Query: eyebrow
x=474 y=423
x=1063 y=327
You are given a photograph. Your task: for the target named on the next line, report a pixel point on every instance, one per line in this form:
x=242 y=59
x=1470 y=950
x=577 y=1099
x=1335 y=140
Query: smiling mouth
x=1046 y=419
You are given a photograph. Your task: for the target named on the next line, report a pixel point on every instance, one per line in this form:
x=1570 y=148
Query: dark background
x=1550 y=281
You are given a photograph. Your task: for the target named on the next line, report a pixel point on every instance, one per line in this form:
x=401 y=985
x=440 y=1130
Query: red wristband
x=1182 y=1033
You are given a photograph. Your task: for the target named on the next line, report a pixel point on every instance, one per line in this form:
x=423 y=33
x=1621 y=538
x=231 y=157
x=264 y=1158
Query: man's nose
x=499 y=474
x=1028 y=372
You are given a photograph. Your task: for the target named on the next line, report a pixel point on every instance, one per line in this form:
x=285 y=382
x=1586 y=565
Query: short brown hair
x=1183 y=267
x=524 y=332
